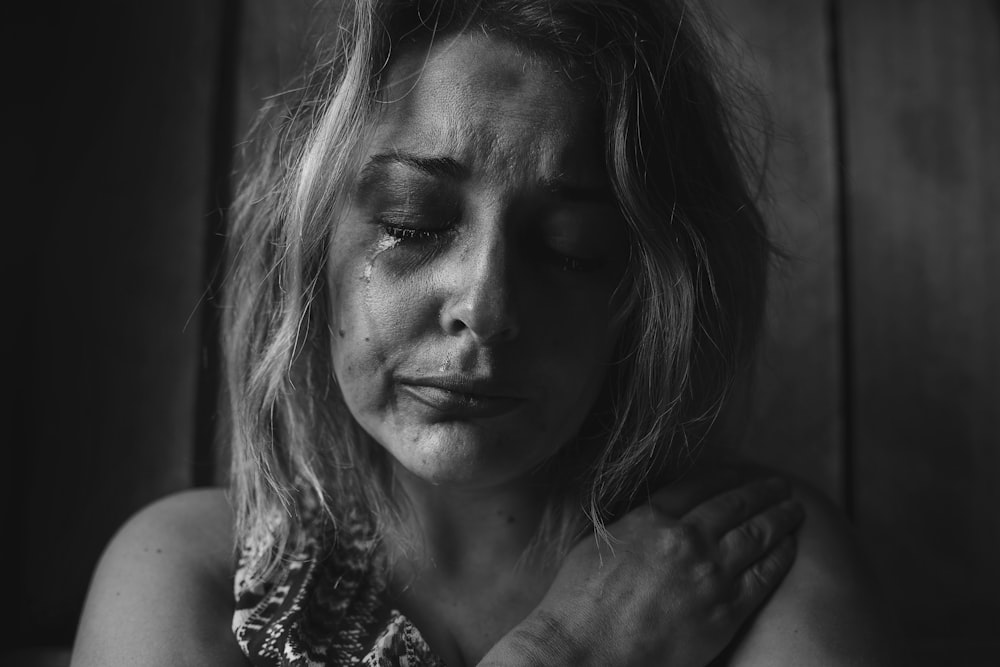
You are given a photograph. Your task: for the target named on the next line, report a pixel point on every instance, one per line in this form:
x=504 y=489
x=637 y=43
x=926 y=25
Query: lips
x=460 y=397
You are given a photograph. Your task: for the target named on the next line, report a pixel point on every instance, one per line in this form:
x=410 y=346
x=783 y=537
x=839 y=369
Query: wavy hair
x=675 y=156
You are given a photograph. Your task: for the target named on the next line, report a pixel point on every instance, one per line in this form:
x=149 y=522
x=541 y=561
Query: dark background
x=879 y=382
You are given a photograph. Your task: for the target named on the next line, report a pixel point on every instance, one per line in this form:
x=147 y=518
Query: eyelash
x=565 y=263
x=410 y=234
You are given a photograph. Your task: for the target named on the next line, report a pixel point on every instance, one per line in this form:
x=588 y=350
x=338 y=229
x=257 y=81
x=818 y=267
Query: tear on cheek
x=384 y=243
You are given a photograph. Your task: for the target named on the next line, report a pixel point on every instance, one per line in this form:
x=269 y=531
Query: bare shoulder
x=827 y=611
x=162 y=591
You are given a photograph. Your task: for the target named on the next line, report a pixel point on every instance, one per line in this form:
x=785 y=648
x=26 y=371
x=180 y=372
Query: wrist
x=541 y=640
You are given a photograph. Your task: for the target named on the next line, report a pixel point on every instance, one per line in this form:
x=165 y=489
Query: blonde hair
x=698 y=262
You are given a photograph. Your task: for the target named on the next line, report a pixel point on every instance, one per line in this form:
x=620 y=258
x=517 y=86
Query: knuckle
x=758 y=581
x=680 y=541
x=766 y=573
x=760 y=576
x=687 y=533
x=751 y=534
x=708 y=574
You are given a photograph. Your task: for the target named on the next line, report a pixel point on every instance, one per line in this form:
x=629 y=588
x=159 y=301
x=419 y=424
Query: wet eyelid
x=417 y=219
x=403 y=233
x=409 y=203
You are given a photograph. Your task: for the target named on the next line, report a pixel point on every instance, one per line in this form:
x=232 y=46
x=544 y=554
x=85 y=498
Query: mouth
x=458 y=397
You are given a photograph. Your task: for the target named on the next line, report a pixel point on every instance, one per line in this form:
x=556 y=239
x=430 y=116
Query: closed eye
x=414 y=228
x=411 y=233
x=569 y=263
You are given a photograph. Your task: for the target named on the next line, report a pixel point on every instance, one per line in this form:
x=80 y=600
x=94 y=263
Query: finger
x=681 y=496
x=760 y=580
x=720 y=514
x=748 y=542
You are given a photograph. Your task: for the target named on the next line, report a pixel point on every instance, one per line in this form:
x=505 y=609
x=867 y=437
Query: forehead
x=487 y=102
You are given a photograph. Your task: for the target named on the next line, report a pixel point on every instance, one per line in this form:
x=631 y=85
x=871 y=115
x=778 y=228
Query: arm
x=681 y=576
x=162 y=592
x=826 y=610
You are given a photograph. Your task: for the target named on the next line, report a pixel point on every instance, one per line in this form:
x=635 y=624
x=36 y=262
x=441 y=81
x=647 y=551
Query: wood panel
x=278 y=41
x=110 y=371
x=797 y=424
x=922 y=119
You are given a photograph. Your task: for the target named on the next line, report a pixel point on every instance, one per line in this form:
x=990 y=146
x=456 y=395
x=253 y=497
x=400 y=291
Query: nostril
x=489 y=320
x=481 y=297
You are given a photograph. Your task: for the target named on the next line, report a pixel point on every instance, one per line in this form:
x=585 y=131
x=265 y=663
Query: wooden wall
x=120 y=154
x=922 y=150
x=879 y=381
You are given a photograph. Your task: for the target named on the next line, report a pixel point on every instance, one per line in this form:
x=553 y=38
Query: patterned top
x=325 y=610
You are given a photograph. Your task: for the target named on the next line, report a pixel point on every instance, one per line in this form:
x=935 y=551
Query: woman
x=491 y=280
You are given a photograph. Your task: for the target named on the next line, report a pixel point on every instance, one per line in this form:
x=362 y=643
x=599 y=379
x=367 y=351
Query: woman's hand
x=685 y=571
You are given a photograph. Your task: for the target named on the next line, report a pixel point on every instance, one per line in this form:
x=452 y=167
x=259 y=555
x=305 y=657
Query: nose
x=481 y=302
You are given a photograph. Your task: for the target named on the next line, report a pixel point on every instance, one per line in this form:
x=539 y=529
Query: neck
x=467 y=582
x=463 y=533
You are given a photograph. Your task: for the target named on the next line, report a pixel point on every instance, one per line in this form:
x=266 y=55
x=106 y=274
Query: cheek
x=354 y=357
x=375 y=319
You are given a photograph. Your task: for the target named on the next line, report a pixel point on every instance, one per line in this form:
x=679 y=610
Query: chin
x=454 y=474
x=461 y=456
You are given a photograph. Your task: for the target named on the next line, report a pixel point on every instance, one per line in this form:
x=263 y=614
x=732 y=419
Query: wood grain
x=118 y=221
x=922 y=120
x=278 y=42
x=796 y=426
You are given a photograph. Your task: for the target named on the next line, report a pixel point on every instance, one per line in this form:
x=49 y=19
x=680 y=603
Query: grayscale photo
x=506 y=333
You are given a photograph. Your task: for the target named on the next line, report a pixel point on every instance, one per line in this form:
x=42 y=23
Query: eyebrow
x=446 y=167
x=438 y=167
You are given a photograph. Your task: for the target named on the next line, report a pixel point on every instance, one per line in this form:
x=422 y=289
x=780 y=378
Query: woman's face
x=473 y=271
